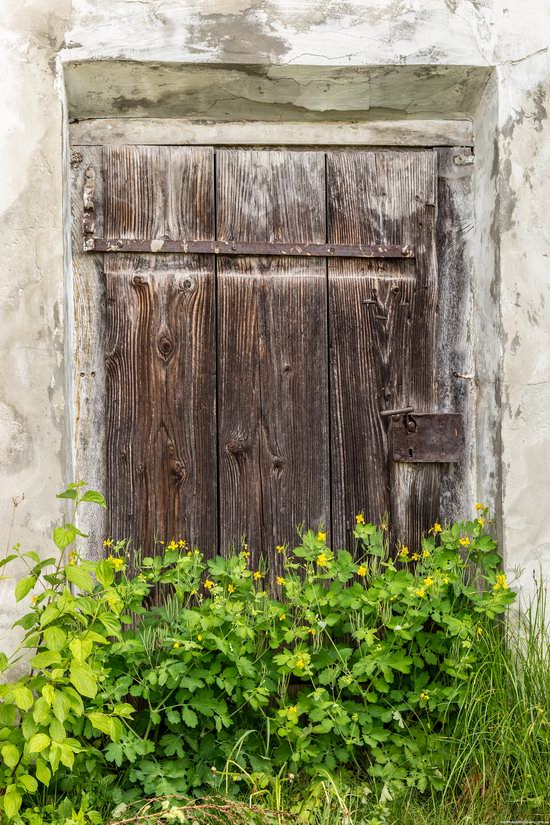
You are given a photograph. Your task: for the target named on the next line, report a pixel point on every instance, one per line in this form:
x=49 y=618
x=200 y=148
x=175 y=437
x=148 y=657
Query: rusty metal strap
x=318 y=250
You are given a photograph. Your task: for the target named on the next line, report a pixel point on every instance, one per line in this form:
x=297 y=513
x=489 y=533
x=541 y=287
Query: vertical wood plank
x=272 y=335
x=382 y=322
x=88 y=324
x=161 y=364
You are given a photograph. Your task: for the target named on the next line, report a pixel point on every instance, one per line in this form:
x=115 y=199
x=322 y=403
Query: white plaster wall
x=510 y=35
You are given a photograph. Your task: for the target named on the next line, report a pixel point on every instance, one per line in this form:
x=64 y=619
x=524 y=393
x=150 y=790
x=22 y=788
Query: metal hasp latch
x=426 y=437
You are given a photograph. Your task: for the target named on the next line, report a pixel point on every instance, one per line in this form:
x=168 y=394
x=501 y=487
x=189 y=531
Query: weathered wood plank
x=272 y=396
x=173 y=131
x=455 y=368
x=88 y=344
x=239 y=248
x=161 y=365
x=381 y=333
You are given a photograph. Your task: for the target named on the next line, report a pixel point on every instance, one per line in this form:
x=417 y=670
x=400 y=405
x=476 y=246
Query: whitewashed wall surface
x=484 y=65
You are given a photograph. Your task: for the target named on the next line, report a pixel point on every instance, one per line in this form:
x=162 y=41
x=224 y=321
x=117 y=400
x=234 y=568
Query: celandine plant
x=358 y=662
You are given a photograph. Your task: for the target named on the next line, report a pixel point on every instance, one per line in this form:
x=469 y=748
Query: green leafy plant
x=233 y=683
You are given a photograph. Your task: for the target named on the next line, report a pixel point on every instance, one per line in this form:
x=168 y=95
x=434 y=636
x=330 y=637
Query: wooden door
x=245 y=392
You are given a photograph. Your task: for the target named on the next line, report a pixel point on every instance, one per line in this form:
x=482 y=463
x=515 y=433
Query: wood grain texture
x=455 y=365
x=161 y=365
x=272 y=350
x=382 y=334
x=88 y=348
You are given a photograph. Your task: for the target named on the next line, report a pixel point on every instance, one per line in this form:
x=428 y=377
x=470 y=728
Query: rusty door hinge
x=426 y=437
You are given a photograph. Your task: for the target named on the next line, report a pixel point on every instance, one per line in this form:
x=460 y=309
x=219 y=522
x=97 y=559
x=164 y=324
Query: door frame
x=455 y=253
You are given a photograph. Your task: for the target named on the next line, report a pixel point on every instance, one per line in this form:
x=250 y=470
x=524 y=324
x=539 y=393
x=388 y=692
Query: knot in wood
x=165 y=346
x=138 y=280
x=235 y=445
x=187 y=285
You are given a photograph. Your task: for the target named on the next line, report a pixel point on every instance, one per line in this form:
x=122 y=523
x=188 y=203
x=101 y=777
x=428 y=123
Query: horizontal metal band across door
x=315 y=250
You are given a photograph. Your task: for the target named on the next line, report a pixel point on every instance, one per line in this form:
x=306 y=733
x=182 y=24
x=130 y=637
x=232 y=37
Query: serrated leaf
x=94 y=497
x=38 y=743
x=189 y=717
x=54 y=638
x=24 y=586
x=79 y=577
x=83 y=678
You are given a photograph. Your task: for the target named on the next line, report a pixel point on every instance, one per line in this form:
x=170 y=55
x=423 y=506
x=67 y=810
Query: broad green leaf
x=81 y=649
x=82 y=677
x=38 y=743
x=12 y=802
x=23 y=697
x=28 y=782
x=94 y=497
x=8 y=714
x=57 y=731
x=49 y=615
x=54 y=638
x=189 y=717
x=41 y=712
x=61 y=706
x=10 y=755
x=105 y=574
x=43 y=773
x=28 y=726
x=7 y=560
x=63 y=536
x=71 y=493
x=102 y=722
x=46 y=658
x=24 y=586
x=79 y=577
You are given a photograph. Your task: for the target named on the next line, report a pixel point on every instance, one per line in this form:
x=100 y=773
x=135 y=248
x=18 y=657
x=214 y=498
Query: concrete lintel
x=177 y=131
x=126 y=88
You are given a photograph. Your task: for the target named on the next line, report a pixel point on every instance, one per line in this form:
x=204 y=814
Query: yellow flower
x=359 y=518
x=481 y=522
x=446 y=580
x=293 y=709
x=230 y=588
x=415 y=557
x=280 y=580
x=142 y=578
x=258 y=575
x=34 y=599
x=118 y=564
x=189 y=553
x=280 y=548
x=300 y=663
x=196 y=553
x=425 y=554
x=464 y=542
x=479 y=630
x=182 y=543
x=209 y=584
x=437 y=527
x=311 y=631
x=245 y=554
x=176 y=645
x=321 y=536
x=108 y=543
x=428 y=581
x=421 y=593
x=172 y=546
x=424 y=696
x=501 y=582
x=282 y=617
x=479 y=506
x=200 y=637
x=362 y=570
x=322 y=560
x=404 y=552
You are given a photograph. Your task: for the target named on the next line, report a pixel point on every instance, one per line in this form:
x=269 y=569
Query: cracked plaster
x=367 y=59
